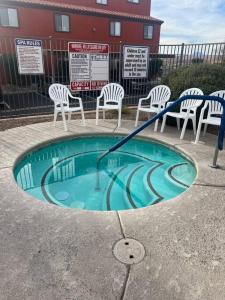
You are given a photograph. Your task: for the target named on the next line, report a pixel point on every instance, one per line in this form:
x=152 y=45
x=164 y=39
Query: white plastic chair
x=214 y=114
x=112 y=95
x=158 y=97
x=188 y=110
x=60 y=94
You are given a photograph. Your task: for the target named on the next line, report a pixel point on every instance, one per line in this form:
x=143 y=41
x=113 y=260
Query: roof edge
x=81 y=9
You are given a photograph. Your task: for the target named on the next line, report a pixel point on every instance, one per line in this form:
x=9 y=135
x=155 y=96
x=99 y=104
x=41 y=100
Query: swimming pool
x=141 y=173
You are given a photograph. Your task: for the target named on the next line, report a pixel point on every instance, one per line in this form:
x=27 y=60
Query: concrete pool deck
x=48 y=252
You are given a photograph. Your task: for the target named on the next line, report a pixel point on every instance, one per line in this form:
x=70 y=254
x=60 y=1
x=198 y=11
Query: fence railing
x=22 y=95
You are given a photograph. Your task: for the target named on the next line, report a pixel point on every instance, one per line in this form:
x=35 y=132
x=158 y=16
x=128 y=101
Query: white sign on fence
x=29 y=56
x=135 y=61
x=89 y=66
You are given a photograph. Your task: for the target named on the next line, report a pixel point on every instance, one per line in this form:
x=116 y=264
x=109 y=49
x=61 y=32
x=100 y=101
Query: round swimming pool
x=141 y=173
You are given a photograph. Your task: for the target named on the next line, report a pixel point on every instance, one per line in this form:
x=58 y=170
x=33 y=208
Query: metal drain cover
x=129 y=251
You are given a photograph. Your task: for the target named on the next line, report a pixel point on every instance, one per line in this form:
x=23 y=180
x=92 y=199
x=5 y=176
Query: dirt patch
x=17 y=122
x=23 y=121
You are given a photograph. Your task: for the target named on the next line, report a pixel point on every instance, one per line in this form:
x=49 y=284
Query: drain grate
x=129 y=251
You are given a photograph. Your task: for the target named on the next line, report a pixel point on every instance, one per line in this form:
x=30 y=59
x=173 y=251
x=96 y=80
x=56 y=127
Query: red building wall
x=36 y=22
x=142 y=8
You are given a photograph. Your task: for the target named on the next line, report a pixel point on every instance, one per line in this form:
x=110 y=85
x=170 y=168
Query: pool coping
x=130 y=224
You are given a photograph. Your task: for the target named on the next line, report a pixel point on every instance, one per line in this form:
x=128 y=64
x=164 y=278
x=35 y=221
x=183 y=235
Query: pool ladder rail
x=220 y=139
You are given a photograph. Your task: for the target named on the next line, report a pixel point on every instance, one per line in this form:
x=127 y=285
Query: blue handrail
x=163 y=112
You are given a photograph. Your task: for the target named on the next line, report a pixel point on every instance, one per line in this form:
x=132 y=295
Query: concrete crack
x=3 y=168
x=210 y=185
x=125 y=282
x=121 y=226
x=180 y=144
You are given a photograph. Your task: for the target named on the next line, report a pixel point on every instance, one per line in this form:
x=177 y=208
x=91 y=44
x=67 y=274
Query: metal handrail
x=219 y=145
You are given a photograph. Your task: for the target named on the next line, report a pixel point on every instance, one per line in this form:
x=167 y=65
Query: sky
x=190 y=21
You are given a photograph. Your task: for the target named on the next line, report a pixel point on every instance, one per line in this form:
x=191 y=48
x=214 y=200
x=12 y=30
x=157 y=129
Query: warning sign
x=89 y=66
x=29 y=56
x=135 y=62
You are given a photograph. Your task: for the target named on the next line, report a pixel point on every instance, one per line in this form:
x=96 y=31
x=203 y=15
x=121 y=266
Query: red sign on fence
x=89 y=66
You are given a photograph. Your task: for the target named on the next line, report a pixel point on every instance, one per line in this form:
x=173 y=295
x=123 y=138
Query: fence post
x=181 y=55
x=120 y=64
x=52 y=60
x=223 y=54
x=215 y=158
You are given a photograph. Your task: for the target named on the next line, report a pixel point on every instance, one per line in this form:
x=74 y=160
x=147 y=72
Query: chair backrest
x=59 y=93
x=159 y=94
x=215 y=108
x=112 y=93
x=191 y=102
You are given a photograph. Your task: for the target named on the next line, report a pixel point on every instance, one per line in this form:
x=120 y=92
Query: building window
x=115 y=28
x=8 y=17
x=148 y=31
x=62 y=23
x=134 y=1
x=101 y=1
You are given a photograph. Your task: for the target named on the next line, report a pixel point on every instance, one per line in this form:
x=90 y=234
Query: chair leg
x=184 y=129
x=198 y=132
x=163 y=123
x=156 y=125
x=137 y=117
x=97 y=115
x=157 y=121
x=64 y=121
x=119 y=117
x=205 y=129
x=69 y=116
x=82 y=116
x=194 y=125
x=178 y=123
x=55 y=117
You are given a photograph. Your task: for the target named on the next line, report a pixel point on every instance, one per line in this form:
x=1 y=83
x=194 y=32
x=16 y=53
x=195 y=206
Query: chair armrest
x=141 y=100
x=99 y=97
x=76 y=98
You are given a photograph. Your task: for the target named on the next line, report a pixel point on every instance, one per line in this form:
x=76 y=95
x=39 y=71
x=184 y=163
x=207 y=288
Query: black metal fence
x=23 y=95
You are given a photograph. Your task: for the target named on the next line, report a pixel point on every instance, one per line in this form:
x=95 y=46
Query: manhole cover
x=129 y=251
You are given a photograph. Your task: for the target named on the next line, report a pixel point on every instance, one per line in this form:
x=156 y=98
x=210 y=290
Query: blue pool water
x=139 y=174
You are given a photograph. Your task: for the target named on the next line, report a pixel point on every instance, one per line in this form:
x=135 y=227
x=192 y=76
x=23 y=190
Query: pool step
x=136 y=191
x=133 y=185
x=114 y=196
x=181 y=174
x=164 y=187
x=127 y=189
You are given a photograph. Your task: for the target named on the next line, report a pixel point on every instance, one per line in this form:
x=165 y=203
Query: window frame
x=132 y=1
x=100 y=3
x=148 y=25
x=61 y=14
x=17 y=16
x=115 y=21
